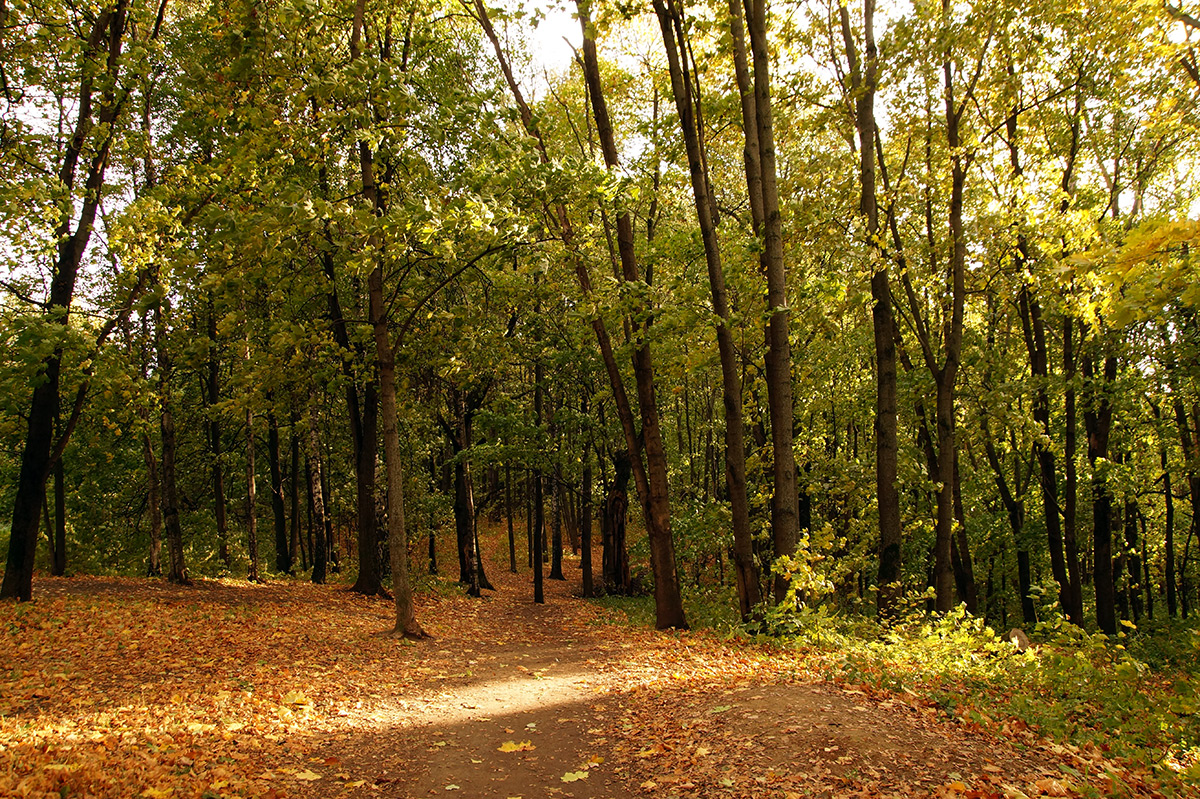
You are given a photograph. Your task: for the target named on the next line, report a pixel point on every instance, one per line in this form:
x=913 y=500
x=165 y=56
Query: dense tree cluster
x=871 y=305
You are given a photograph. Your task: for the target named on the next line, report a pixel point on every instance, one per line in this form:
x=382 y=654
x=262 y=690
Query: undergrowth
x=1134 y=695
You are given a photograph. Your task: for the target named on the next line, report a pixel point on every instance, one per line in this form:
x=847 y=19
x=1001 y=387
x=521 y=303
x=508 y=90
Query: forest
x=816 y=318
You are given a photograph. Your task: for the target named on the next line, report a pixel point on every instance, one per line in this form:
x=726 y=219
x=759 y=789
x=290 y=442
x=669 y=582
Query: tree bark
x=784 y=526
x=585 y=522
x=656 y=501
x=320 y=541
x=508 y=515
x=539 y=512
x=103 y=44
x=58 y=565
x=283 y=552
x=295 y=552
x=177 y=568
x=406 y=619
x=154 y=504
x=1098 y=423
x=212 y=392
x=671 y=22
x=883 y=321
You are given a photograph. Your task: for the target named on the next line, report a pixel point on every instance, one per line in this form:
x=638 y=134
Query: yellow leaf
x=295 y=698
x=158 y=793
x=574 y=776
x=512 y=746
x=307 y=775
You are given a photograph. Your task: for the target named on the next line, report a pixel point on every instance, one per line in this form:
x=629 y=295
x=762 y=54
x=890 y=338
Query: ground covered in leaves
x=124 y=687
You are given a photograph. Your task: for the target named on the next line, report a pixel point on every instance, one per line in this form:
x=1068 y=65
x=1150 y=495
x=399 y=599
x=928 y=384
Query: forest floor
x=125 y=687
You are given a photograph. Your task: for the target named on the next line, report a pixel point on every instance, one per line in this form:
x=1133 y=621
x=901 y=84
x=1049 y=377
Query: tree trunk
x=154 y=503
x=508 y=515
x=294 y=550
x=671 y=23
x=585 y=521
x=102 y=45
x=316 y=497
x=612 y=527
x=784 y=528
x=1098 y=422
x=539 y=512
x=251 y=499
x=1071 y=481
x=656 y=501
x=556 y=543
x=1028 y=611
x=59 y=562
x=406 y=620
x=177 y=570
x=283 y=552
x=212 y=394
x=1169 y=534
x=883 y=321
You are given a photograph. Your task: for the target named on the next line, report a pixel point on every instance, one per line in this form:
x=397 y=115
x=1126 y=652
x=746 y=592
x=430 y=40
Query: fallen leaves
x=513 y=746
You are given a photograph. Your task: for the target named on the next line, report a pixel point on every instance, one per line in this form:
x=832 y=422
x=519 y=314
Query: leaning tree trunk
x=656 y=502
x=671 y=22
x=102 y=46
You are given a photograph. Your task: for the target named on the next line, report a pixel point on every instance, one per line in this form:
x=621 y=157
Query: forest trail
x=594 y=711
x=133 y=687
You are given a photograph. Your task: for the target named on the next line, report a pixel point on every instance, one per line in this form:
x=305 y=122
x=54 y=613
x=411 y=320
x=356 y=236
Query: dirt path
x=136 y=688
x=593 y=712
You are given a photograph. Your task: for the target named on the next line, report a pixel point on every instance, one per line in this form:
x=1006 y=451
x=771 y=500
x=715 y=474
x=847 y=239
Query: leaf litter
x=126 y=687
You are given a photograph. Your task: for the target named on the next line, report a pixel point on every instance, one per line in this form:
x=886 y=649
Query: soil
x=594 y=716
x=511 y=699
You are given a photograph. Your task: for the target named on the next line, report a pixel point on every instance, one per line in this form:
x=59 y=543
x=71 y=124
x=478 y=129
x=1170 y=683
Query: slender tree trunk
x=539 y=513
x=1035 y=341
x=316 y=497
x=556 y=543
x=294 y=550
x=887 y=443
x=1071 y=480
x=251 y=500
x=102 y=45
x=406 y=619
x=177 y=569
x=529 y=478
x=1098 y=421
x=59 y=562
x=671 y=22
x=508 y=515
x=283 y=553
x=1169 y=576
x=212 y=391
x=656 y=502
x=154 y=503
x=585 y=521
x=784 y=529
